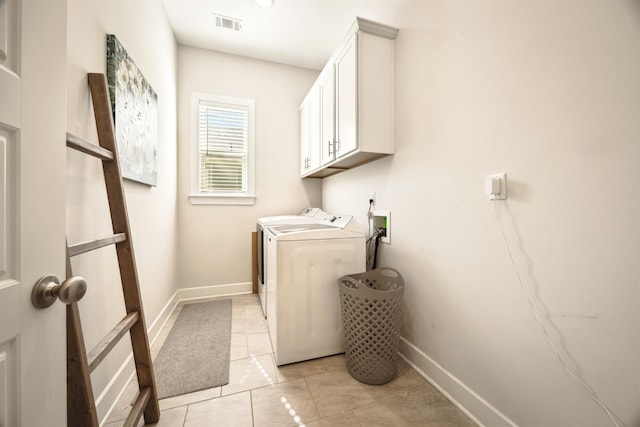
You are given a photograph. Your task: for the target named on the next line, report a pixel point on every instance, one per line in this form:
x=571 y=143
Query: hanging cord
x=375 y=253
x=371 y=244
x=548 y=328
x=376 y=234
x=371 y=233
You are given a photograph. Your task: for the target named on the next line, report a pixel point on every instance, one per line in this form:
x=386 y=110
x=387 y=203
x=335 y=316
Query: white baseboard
x=156 y=327
x=468 y=401
x=202 y=292
x=105 y=403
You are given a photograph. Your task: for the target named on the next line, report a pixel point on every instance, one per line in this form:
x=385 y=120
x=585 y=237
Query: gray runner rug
x=195 y=355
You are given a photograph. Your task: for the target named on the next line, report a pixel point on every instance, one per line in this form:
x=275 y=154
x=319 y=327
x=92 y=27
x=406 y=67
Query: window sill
x=209 y=199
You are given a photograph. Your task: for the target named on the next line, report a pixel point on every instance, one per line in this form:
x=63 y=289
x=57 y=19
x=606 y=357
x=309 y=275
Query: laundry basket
x=371 y=304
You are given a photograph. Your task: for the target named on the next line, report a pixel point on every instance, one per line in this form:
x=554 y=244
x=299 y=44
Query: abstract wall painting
x=135 y=109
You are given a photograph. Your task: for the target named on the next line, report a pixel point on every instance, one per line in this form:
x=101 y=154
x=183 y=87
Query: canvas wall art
x=135 y=109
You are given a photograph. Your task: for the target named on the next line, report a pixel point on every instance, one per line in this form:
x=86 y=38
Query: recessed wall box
x=382 y=219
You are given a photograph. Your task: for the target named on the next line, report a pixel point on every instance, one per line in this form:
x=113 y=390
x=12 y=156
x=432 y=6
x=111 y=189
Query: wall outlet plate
x=496 y=186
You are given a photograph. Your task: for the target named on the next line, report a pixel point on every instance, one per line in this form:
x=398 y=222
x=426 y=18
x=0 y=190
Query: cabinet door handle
x=329 y=146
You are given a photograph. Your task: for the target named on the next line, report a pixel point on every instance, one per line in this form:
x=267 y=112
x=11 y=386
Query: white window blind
x=223 y=148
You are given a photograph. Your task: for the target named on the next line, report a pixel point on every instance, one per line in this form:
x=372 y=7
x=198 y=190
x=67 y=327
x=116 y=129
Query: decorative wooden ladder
x=81 y=408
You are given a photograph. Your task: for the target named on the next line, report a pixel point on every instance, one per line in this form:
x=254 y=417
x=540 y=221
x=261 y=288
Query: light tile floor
x=316 y=393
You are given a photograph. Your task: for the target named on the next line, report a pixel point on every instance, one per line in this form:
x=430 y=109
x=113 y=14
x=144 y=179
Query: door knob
x=48 y=289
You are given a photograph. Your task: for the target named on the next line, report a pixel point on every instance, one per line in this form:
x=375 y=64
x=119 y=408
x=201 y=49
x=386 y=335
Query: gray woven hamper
x=371 y=312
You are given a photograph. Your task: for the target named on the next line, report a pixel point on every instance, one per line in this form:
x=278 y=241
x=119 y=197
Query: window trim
x=196 y=197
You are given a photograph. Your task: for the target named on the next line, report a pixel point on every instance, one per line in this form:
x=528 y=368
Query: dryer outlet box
x=382 y=219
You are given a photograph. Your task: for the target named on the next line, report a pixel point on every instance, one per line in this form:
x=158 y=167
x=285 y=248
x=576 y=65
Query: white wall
x=143 y=29
x=547 y=92
x=215 y=241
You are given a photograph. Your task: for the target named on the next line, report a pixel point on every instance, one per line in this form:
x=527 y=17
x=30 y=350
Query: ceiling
x=303 y=33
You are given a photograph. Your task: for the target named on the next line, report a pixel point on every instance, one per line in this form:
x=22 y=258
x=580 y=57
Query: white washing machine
x=305 y=216
x=304 y=263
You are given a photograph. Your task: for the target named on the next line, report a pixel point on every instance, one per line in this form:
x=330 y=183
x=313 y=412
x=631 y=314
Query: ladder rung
x=80 y=248
x=108 y=342
x=138 y=408
x=88 y=148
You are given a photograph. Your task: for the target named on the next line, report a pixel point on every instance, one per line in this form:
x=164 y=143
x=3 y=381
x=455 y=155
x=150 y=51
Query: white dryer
x=305 y=216
x=304 y=263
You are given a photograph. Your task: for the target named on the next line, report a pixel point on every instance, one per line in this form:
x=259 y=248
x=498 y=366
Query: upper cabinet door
x=304 y=138
x=346 y=99
x=327 y=115
x=310 y=132
x=314 y=131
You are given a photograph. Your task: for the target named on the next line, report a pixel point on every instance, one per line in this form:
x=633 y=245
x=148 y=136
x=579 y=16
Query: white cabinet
x=326 y=84
x=310 y=132
x=356 y=97
x=346 y=99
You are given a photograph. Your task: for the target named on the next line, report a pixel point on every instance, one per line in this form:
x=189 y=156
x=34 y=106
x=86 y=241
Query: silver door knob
x=48 y=289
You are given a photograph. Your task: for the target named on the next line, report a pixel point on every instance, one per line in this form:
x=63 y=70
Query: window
x=222 y=165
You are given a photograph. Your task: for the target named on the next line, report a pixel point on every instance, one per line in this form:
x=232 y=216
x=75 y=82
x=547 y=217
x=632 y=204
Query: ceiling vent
x=227 y=22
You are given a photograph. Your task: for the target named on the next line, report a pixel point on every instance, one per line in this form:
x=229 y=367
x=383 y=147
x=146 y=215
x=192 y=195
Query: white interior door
x=32 y=228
